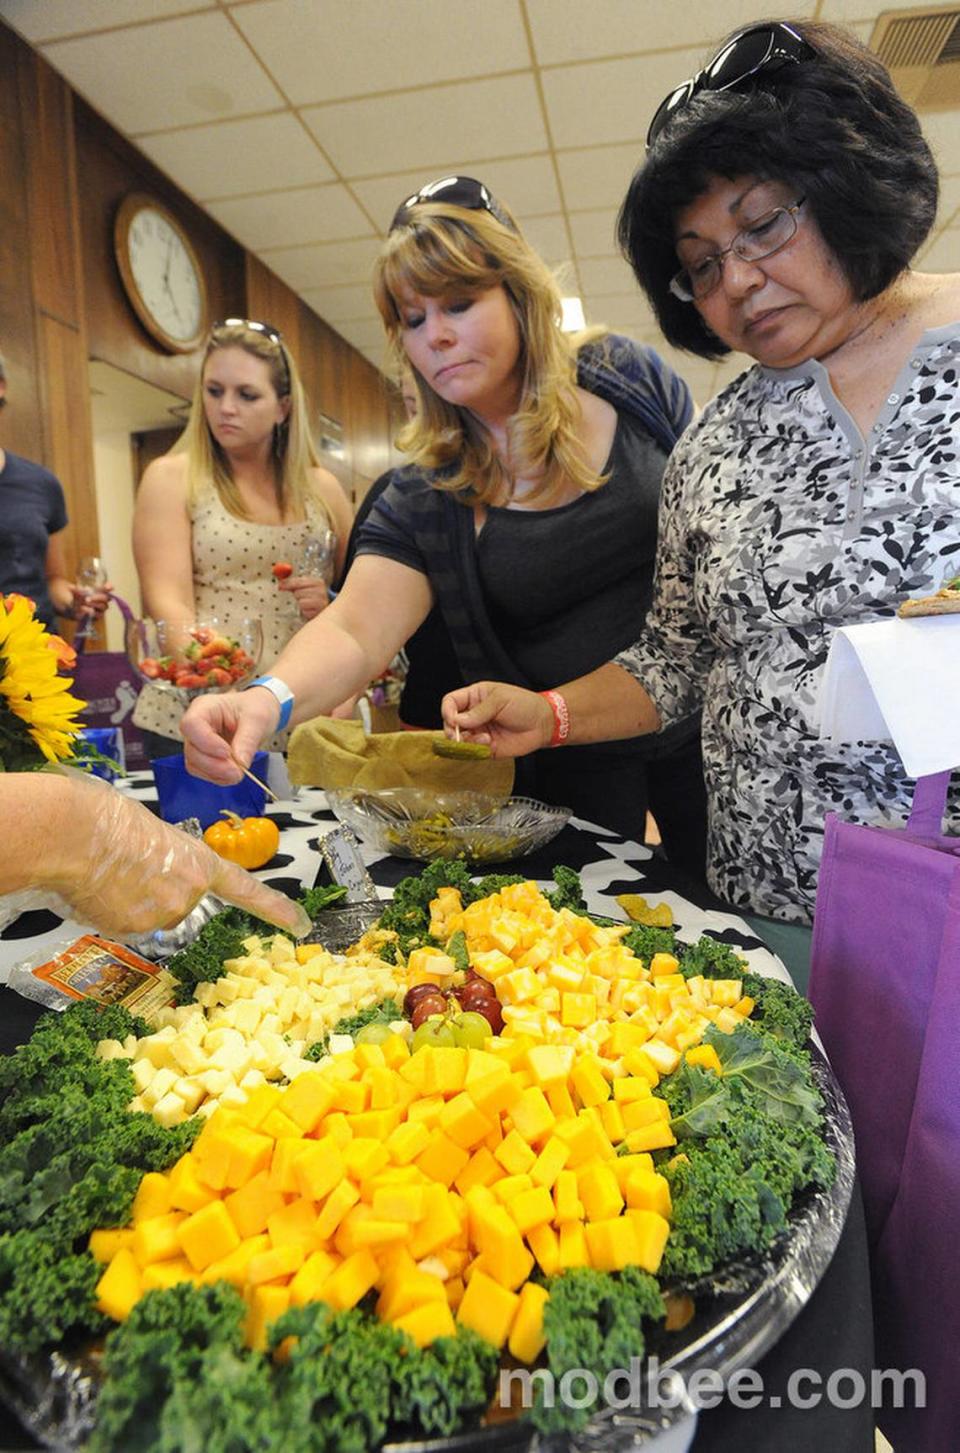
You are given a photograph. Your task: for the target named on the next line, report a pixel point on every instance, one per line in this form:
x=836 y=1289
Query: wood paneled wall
x=62 y=303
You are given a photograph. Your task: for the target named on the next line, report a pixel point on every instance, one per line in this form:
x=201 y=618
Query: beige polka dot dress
x=233 y=579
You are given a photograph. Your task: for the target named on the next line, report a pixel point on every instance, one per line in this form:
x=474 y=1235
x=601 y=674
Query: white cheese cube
x=190 y=1091
x=110 y=1049
x=187 y=1056
x=340 y=1044
x=170 y=1110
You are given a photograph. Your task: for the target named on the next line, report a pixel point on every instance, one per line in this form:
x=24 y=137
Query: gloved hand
x=123 y=870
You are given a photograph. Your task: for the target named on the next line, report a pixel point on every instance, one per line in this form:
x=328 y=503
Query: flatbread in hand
x=945 y=602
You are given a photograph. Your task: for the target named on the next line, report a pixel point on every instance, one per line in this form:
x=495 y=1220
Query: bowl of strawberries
x=209 y=655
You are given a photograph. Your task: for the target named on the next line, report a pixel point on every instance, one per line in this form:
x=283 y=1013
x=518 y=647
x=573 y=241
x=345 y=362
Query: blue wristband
x=283 y=694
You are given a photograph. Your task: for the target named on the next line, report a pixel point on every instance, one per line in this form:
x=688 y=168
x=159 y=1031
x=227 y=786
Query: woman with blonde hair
x=242 y=491
x=527 y=513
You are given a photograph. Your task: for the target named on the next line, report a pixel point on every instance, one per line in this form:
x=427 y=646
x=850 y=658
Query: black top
x=32 y=508
x=568 y=588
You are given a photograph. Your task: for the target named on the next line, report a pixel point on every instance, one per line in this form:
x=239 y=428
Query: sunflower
x=37 y=713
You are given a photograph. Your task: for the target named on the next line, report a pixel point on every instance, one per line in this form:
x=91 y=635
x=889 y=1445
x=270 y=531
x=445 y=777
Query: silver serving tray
x=741 y=1311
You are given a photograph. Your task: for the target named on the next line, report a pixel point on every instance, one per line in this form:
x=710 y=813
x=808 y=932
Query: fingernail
x=302 y=924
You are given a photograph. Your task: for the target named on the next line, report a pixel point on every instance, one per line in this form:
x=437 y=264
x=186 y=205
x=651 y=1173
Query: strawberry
x=282 y=570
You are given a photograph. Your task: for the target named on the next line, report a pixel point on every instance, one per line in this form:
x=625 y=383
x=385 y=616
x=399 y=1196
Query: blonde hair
x=442 y=249
x=294 y=453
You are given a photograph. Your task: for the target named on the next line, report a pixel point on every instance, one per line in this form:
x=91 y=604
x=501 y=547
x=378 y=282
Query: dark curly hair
x=833 y=127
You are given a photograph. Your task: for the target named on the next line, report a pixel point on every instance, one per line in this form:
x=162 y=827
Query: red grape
x=426 y=1007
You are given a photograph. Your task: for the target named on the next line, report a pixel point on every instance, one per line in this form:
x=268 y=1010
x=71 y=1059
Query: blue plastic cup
x=109 y=742
x=180 y=795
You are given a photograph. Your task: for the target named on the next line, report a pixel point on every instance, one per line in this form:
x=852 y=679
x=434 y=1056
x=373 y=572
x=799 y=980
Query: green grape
x=472 y=1030
x=372 y=1034
x=435 y=1031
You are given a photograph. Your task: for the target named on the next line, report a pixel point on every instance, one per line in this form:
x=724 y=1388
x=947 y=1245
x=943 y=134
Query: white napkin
x=897 y=680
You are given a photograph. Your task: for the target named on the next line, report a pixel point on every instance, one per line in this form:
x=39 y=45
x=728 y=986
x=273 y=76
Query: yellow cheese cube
x=531 y=1208
x=407 y=1290
x=308 y=1100
x=651 y=1137
x=514 y=1154
x=440 y=1225
x=407 y=1141
x=578 y=1010
x=566 y=1200
x=588 y=1081
x=706 y=1057
x=573 y=1246
x=612 y=1244
x=152 y=1198
x=233 y=1268
x=267 y=1303
x=252 y=1205
x=531 y=1115
x=463 y=1122
x=647 y=1191
x=105 y=1243
x=278 y=1263
x=319 y=1166
x=160 y=1275
x=426 y=1323
x=442 y=1160
x=545 y=1245
x=481 y=1169
x=598 y=1190
x=308 y=1283
x=294 y=1222
x=340 y=1200
x=550 y=1162
x=550 y=1064
x=156 y=1239
x=650 y=1111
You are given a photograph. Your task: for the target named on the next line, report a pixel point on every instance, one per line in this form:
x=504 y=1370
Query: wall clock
x=161 y=273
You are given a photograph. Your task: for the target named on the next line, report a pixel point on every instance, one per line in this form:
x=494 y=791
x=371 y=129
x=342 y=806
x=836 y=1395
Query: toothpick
x=247 y=773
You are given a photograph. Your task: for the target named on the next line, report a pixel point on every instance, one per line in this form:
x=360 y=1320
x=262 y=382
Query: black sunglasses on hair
x=756 y=51
x=266 y=329
x=454 y=192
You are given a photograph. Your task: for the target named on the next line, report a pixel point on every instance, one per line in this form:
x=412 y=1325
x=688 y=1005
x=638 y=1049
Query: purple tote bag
x=885 y=984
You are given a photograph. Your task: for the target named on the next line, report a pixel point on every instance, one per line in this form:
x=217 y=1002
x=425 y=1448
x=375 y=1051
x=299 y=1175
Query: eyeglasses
x=756 y=51
x=454 y=192
x=761 y=239
x=266 y=329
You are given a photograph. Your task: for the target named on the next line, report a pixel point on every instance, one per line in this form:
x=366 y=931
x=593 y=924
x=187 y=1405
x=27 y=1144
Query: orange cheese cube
x=335 y=1207
x=598 y=1190
x=407 y=1291
x=647 y=1191
x=488 y=1308
x=407 y=1141
x=399 y=1202
x=308 y=1283
x=308 y=1100
x=463 y=1122
x=442 y=1160
x=637 y=1062
x=611 y=1118
x=120 y=1287
x=258 y=1105
x=187 y=1191
x=253 y=1204
x=152 y=1198
x=267 y=1303
x=156 y=1239
x=428 y=1322
x=578 y=1010
x=279 y=1126
x=364 y=1157
x=550 y=1064
x=514 y=1154
x=208 y=1235
x=351 y=1281
x=505 y=1256
x=662 y=963
x=106 y=1242
x=625 y=1165
x=706 y=1057
x=545 y=1245
x=531 y=1115
x=567 y=1203
x=651 y=1111
x=164 y=1274
x=318 y=1168
x=612 y=1244
x=550 y=1162
x=527 y=1338
x=481 y=1169
x=295 y=1222
x=496 y=1092
x=651 y=1231
x=651 y=1137
x=531 y=1208
x=589 y=1082
x=560 y=1102
x=573 y=1246
x=445 y=1071
x=250 y=1152
x=233 y=1268
x=440 y=1225
x=277 y=1263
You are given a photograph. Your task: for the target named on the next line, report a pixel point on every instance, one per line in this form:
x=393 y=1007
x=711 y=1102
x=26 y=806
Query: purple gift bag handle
x=929 y=805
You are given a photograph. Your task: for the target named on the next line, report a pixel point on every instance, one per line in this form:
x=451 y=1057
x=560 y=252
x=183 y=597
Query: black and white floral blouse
x=778 y=523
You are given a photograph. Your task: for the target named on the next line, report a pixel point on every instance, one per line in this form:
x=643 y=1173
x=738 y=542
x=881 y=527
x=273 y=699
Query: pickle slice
x=463 y=751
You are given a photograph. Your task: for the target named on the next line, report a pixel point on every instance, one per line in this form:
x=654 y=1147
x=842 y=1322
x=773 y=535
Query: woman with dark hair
x=527 y=515
x=785 y=189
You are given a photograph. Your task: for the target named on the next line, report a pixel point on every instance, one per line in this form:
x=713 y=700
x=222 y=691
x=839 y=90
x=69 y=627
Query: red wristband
x=561 y=717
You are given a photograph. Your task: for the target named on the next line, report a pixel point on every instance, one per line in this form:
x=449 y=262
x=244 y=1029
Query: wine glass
x=318 y=556
x=91 y=576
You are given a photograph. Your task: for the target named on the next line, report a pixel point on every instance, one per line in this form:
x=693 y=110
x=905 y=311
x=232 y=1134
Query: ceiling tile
x=527 y=184
x=344 y=48
x=168 y=73
x=282 y=219
x=363 y=334
x=594 y=233
x=598 y=176
x=603 y=275
x=548 y=235
x=631 y=90
x=324 y=265
x=844 y=10
x=432 y=129
x=339 y=305
x=568 y=30
x=621 y=309
x=259 y=154
x=74 y=17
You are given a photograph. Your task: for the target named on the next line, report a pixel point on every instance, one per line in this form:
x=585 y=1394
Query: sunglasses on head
x=454 y=192
x=266 y=329
x=760 y=50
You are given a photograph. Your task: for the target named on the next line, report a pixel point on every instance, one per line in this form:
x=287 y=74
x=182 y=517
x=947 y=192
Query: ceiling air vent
x=922 y=52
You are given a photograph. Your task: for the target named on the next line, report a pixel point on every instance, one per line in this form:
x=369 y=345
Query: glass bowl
x=413 y=822
x=215 y=654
